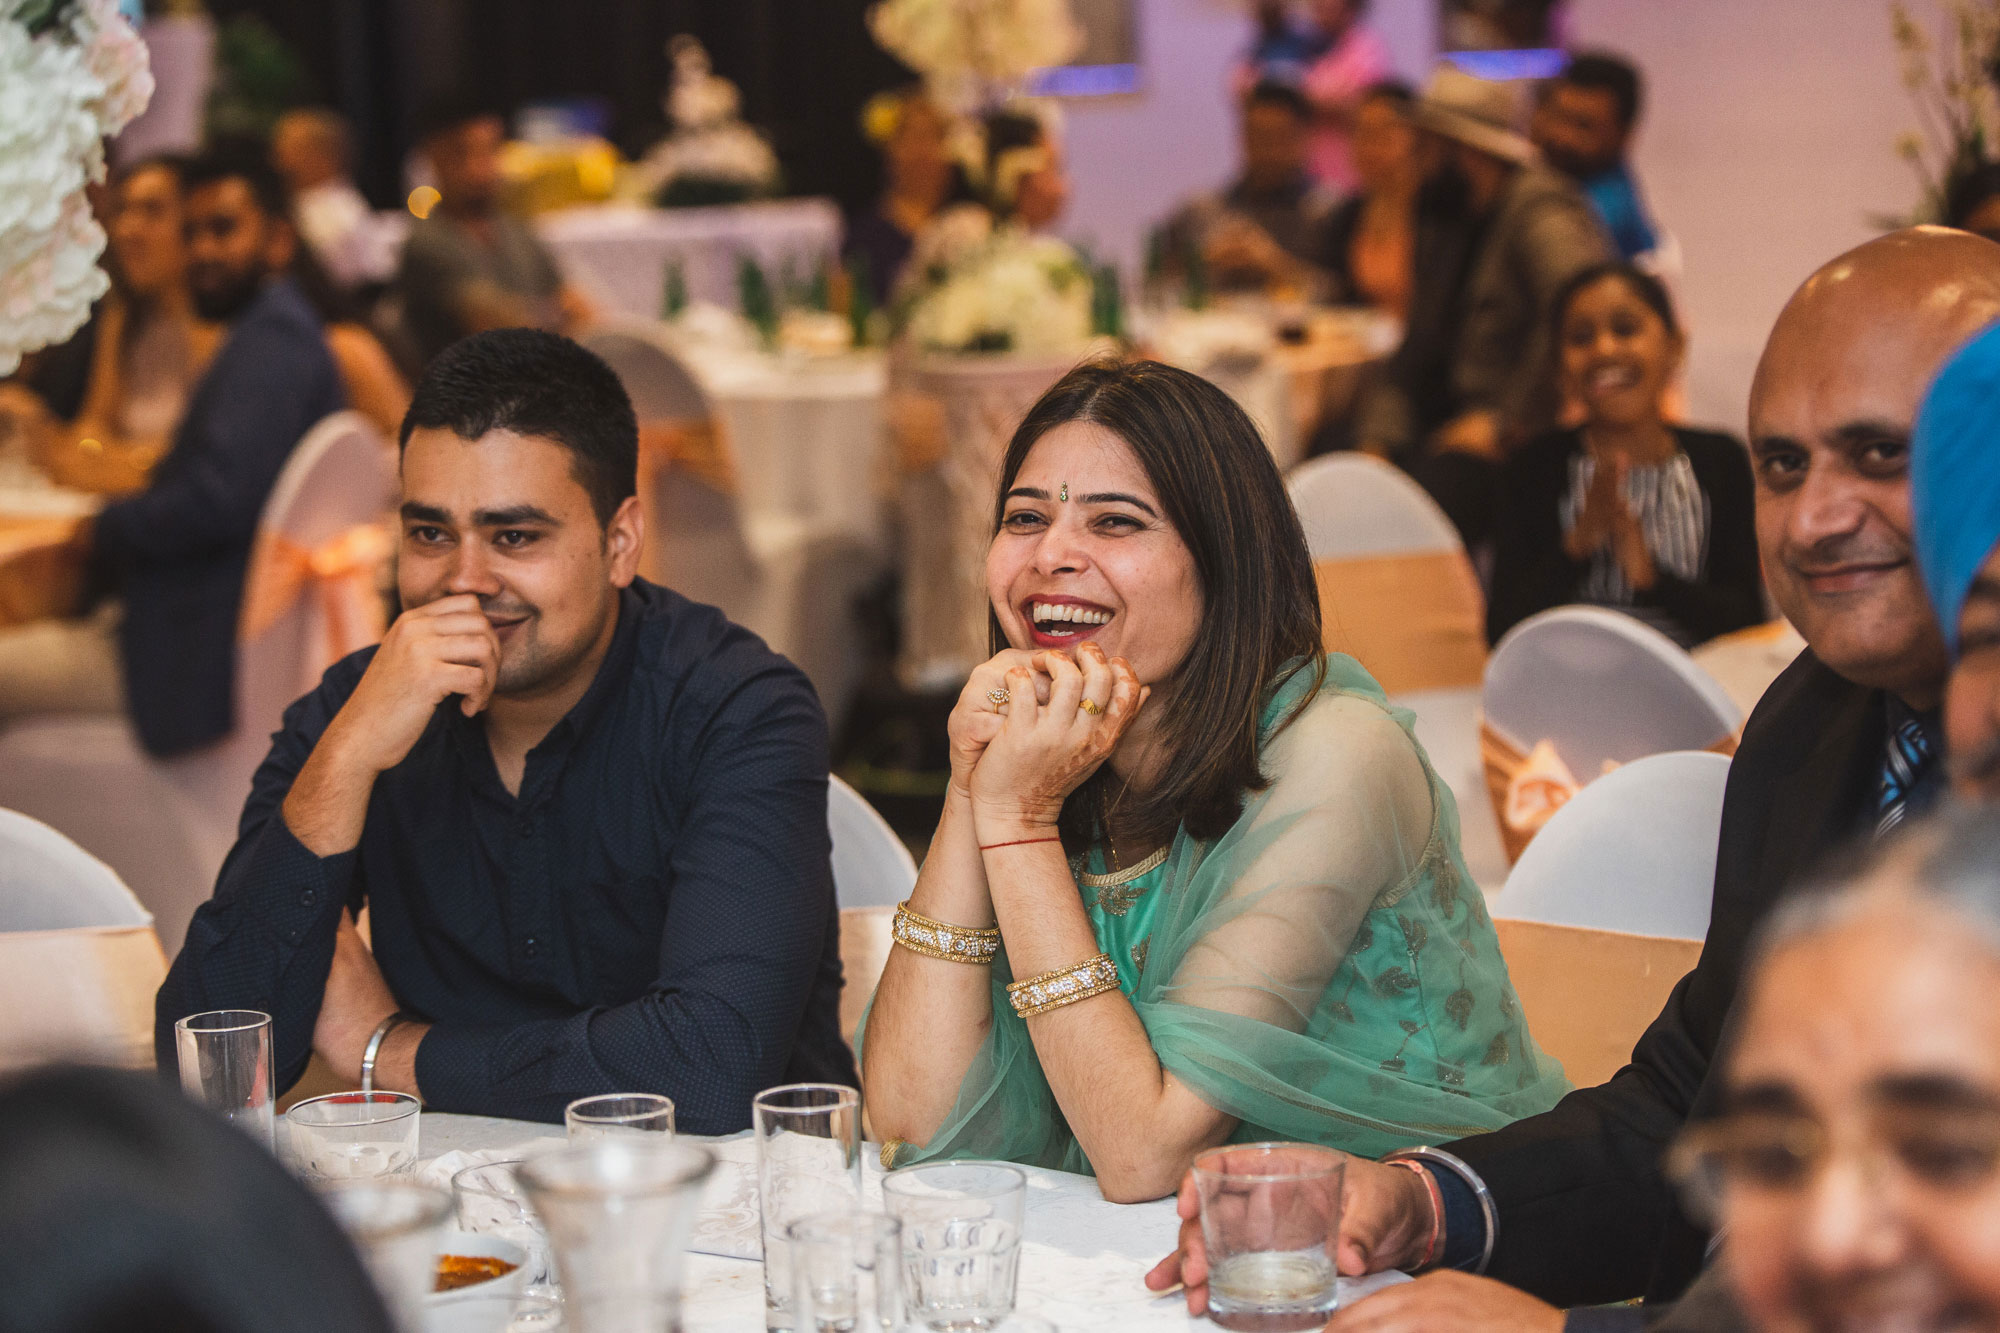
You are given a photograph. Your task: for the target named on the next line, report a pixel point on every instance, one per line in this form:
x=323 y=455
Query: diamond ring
x=1001 y=697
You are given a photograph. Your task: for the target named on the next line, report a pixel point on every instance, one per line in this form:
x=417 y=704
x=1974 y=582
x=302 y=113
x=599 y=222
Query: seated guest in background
x=1283 y=49
x=149 y=346
x=1844 y=745
x=1534 y=232
x=374 y=384
x=311 y=149
x=471 y=265
x=1852 y=1154
x=1163 y=788
x=1023 y=188
x=174 y=554
x=1266 y=228
x=587 y=816
x=1973 y=201
x=1626 y=510
x=1583 y=123
x=1353 y=59
x=921 y=179
x=1371 y=241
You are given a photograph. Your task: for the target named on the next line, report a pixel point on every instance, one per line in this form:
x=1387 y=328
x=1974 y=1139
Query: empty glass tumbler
x=961 y=1226
x=615 y=1113
x=808 y=1162
x=354 y=1135
x=225 y=1065
x=1270 y=1214
x=846 y=1273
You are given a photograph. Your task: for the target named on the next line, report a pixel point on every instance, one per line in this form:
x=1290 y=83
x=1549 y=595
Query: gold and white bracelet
x=1066 y=985
x=935 y=939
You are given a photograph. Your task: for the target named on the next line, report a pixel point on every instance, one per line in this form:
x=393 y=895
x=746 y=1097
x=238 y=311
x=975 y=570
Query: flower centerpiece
x=987 y=288
x=711 y=156
x=72 y=73
x=976 y=53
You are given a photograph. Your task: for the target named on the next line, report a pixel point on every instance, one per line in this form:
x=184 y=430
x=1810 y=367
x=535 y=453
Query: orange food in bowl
x=469 y=1270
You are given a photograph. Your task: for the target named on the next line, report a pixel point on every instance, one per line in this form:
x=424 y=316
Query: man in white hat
x=1535 y=230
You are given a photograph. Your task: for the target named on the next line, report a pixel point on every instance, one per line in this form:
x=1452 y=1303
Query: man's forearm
x=327 y=806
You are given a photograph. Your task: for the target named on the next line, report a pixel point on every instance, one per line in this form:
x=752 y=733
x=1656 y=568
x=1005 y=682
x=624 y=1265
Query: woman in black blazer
x=1626 y=510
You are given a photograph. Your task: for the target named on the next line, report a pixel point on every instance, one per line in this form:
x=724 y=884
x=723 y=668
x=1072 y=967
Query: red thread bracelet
x=1437 y=1212
x=1018 y=842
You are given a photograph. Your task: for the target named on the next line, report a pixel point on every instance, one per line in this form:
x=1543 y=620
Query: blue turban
x=1955 y=476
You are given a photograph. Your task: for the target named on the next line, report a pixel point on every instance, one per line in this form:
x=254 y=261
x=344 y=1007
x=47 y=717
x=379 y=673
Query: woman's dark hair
x=536 y=383
x=1006 y=131
x=1649 y=289
x=1395 y=92
x=1223 y=495
x=1968 y=190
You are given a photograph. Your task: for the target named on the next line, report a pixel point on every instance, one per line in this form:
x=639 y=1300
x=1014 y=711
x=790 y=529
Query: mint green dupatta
x=1323 y=972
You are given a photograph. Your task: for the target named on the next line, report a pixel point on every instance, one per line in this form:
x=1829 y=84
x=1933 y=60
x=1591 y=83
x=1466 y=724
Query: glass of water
x=847 y=1273
x=1270 y=1215
x=225 y=1065
x=355 y=1135
x=961 y=1240
x=492 y=1201
x=396 y=1225
x=615 y=1113
x=808 y=1162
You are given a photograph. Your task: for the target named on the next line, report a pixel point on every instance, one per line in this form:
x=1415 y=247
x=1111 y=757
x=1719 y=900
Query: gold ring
x=1001 y=696
x=1091 y=706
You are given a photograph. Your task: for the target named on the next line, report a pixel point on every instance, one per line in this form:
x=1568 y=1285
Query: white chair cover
x=871 y=866
x=79 y=963
x=1601 y=686
x=1356 y=505
x=1634 y=852
x=165 y=825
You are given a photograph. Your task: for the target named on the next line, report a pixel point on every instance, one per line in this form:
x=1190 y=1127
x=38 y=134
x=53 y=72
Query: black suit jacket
x=1586 y=1214
x=177 y=550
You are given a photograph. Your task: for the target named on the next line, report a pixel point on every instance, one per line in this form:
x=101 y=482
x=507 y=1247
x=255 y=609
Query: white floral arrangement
x=711 y=156
x=997 y=289
x=975 y=52
x=72 y=73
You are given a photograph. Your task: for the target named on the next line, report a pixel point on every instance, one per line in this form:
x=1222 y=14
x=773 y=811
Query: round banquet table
x=619 y=255
x=1082 y=1259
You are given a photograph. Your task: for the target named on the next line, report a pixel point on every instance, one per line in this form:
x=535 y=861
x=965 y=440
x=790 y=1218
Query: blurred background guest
x=1268 y=225
x=1583 y=123
x=470 y=264
x=1354 y=60
x=1626 y=510
x=147 y=346
x=1283 y=48
x=1025 y=180
x=311 y=148
x=921 y=178
x=376 y=387
x=1370 y=249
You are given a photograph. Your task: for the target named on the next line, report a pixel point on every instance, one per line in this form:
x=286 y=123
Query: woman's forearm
x=931 y=1016
x=1139 y=1126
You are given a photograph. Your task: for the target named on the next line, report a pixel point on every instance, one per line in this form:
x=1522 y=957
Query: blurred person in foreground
x=587 y=816
x=1626 y=510
x=911 y=130
x=1845 y=744
x=1167 y=798
x=174 y=554
x=144 y=352
x=312 y=149
x=1851 y=1160
x=1583 y=123
x=1267 y=227
x=124 y=1207
x=471 y=265
x=1529 y=231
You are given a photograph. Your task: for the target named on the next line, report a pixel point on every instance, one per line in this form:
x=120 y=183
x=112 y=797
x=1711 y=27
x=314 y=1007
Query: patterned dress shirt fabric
x=654 y=912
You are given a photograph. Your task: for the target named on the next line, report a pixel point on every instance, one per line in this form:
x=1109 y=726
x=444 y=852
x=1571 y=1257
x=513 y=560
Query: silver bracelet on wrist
x=1489 y=1212
x=374 y=1048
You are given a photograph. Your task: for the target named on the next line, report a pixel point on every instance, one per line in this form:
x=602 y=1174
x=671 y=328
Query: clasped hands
x=1022 y=739
x=1606 y=520
x=1385 y=1223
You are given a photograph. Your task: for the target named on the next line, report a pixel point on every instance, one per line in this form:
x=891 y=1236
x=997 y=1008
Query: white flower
x=1004 y=291
x=967 y=48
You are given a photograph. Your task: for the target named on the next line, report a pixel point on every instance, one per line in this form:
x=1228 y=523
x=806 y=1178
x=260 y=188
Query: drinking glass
x=619 y=1213
x=355 y=1135
x=616 y=1113
x=1270 y=1214
x=492 y=1201
x=961 y=1239
x=846 y=1273
x=225 y=1060
x=808 y=1162
x=396 y=1225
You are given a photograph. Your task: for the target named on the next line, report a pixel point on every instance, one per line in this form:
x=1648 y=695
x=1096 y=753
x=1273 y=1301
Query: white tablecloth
x=1082 y=1259
x=619 y=256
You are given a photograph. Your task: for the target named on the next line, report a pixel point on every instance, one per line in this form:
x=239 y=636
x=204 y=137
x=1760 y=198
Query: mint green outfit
x=1324 y=972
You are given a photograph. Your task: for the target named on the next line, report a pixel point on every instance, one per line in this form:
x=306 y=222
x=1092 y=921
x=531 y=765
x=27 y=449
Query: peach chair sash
x=697 y=446
x=1415 y=620
x=1528 y=787
x=84 y=993
x=1588 y=994
x=343 y=574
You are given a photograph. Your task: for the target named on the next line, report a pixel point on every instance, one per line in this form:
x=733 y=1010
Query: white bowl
x=474 y=1244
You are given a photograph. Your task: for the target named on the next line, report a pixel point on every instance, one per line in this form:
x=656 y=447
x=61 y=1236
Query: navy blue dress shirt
x=653 y=913
x=177 y=550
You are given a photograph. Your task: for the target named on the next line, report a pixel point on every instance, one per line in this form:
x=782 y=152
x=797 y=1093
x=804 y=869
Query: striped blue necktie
x=1907 y=764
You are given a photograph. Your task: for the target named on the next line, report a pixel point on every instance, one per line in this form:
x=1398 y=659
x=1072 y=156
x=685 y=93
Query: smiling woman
x=1194 y=881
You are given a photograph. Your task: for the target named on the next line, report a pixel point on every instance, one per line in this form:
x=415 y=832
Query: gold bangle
x=889 y=1151
x=935 y=939
x=1066 y=985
